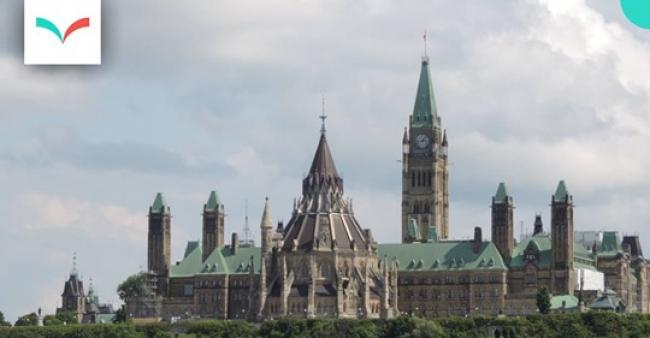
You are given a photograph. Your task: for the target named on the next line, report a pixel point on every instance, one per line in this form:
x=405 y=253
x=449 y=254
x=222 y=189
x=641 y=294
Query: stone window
x=188 y=290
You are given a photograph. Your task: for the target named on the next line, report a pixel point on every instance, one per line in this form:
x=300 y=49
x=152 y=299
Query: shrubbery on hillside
x=592 y=324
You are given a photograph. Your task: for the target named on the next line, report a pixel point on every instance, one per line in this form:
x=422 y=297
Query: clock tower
x=425 y=178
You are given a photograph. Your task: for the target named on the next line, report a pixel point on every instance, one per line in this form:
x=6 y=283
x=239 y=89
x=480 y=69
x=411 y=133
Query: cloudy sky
x=225 y=95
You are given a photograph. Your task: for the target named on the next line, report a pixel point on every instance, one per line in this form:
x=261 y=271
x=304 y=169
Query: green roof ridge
x=159 y=204
x=213 y=202
x=561 y=193
x=502 y=193
x=424 y=111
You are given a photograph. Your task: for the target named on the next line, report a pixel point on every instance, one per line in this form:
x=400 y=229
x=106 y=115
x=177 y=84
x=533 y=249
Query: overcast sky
x=202 y=95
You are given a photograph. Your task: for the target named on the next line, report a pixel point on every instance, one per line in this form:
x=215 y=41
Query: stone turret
x=159 y=243
x=213 y=224
x=503 y=222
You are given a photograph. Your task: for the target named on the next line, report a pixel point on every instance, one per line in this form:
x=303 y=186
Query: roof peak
x=425 y=112
x=213 y=202
x=267 y=221
x=501 y=195
x=159 y=204
x=323 y=162
x=561 y=193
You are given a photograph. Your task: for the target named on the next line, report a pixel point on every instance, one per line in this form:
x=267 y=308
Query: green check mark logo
x=50 y=26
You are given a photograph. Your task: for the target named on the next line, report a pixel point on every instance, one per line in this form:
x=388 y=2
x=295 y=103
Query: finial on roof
x=323 y=116
x=74 y=263
x=425 y=58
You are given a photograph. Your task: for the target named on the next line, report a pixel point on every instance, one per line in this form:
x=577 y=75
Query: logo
x=47 y=24
x=637 y=11
x=48 y=41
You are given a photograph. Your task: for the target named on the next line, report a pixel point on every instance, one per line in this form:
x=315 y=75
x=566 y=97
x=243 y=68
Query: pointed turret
x=323 y=164
x=562 y=239
x=425 y=113
x=444 y=138
x=502 y=194
x=503 y=222
x=213 y=224
x=159 y=241
x=322 y=171
x=322 y=194
x=266 y=226
x=561 y=193
x=405 y=138
x=159 y=205
x=213 y=202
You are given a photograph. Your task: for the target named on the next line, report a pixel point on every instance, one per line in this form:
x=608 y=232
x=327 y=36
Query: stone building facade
x=85 y=306
x=324 y=264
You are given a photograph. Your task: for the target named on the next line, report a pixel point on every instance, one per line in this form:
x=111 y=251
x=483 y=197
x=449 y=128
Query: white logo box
x=82 y=47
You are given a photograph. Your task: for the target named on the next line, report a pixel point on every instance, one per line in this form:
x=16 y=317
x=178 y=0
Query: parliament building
x=323 y=263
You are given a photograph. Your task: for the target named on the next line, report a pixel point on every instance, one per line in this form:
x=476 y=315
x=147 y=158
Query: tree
x=2 y=320
x=134 y=286
x=120 y=315
x=50 y=320
x=67 y=317
x=543 y=301
x=27 y=320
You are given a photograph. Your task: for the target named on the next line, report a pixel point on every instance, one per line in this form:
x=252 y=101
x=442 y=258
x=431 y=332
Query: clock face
x=421 y=141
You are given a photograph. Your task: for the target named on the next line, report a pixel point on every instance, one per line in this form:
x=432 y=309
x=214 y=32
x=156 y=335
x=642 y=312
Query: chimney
x=539 y=225
x=478 y=239
x=280 y=228
x=234 y=246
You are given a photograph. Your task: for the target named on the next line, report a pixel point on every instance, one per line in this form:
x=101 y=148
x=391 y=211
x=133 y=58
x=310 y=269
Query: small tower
x=562 y=240
x=159 y=244
x=425 y=176
x=266 y=227
x=502 y=222
x=213 y=224
x=73 y=298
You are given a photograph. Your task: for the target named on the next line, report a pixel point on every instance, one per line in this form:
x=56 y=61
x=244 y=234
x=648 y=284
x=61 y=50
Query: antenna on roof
x=323 y=116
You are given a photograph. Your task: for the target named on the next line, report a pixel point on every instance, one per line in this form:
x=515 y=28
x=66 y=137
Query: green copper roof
x=611 y=245
x=561 y=192
x=213 y=202
x=220 y=261
x=159 y=204
x=425 y=113
x=608 y=301
x=443 y=256
x=542 y=242
x=502 y=194
x=569 y=301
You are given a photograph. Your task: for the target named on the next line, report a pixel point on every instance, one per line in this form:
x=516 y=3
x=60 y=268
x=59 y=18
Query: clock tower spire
x=425 y=193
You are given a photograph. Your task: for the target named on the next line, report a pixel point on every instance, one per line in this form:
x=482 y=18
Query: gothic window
x=429 y=179
x=419 y=178
x=412 y=179
x=427 y=207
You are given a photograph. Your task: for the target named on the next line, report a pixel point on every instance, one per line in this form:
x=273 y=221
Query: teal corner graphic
x=637 y=11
